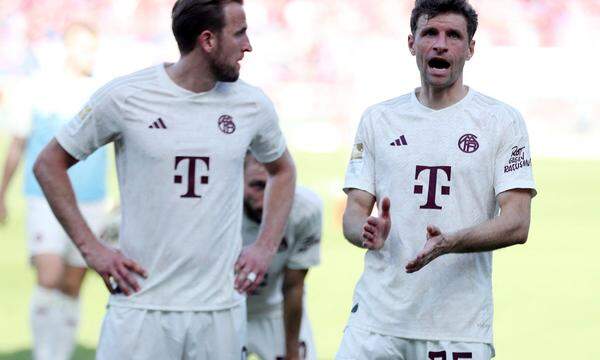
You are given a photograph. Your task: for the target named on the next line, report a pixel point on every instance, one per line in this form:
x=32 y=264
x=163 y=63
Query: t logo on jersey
x=432 y=189
x=191 y=174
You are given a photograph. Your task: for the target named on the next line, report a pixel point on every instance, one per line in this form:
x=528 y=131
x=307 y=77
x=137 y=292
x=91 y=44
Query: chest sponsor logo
x=194 y=175
x=432 y=184
x=226 y=124
x=468 y=143
x=517 y=159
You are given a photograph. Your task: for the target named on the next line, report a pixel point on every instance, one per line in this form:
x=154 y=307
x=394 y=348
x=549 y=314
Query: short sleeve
x=268 y=143
x=513 y=157
x=307 y=246
x=96 y=124
x=360 y=173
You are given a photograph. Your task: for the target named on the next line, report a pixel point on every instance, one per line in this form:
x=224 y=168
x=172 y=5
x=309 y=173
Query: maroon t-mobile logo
x=432 y=189
x=191 y=175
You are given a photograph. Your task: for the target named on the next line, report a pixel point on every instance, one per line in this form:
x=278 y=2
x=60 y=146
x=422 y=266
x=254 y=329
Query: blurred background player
x=440 y=162
x=181 y=131
x=278 y=324
x=37 y=111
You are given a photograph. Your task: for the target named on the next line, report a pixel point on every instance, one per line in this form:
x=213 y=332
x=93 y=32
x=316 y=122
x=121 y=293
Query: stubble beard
x=222 y=71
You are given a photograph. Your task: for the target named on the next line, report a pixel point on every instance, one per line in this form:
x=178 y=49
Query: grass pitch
x=547 y=292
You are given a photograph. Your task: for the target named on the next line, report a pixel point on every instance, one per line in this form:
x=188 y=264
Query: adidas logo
x=399 y=141
x=158 y=124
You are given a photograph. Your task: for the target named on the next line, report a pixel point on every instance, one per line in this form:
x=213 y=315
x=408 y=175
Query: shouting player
x=278 y=325
x=450 y=170
x=37 y=112
x=180 y=133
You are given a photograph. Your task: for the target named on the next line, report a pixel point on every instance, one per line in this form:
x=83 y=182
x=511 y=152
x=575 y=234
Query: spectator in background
x=37 y=110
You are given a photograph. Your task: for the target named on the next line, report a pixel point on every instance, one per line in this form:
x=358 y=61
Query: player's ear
x=207 y=40
x=411 y=43
x=471 y=49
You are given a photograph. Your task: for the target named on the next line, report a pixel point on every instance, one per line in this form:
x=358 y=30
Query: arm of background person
x=50 y=170
x=13 y=158
x=293 y=292
x=278 y=199
x=509 y=228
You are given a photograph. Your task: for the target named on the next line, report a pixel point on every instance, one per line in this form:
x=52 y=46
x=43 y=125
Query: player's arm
x=509 y=228
x=13 y=158
x=361 y=229
x=293 y=292
x=50 y=170
x=278 y=199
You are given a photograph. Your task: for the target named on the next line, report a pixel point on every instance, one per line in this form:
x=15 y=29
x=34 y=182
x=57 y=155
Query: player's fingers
x=385 y=208
x=128 y=278
x=135 y=267
x=120 y=282
x=368 y=228
x=373 y=221
x=240 y=277
x=239 y=264
x=108 y=284
x=368 y=236
x=254 y=284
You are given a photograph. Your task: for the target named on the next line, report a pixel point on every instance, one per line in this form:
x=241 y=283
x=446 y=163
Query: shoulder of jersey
x=125 y=85
x=395 y=104
x=307 y=204
x=244 y=90
x=495 y=109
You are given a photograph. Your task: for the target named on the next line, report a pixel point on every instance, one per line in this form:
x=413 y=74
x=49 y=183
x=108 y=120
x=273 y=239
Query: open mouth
x=438 y=63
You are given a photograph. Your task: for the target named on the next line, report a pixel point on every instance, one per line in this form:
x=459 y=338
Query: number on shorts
x=435 y=355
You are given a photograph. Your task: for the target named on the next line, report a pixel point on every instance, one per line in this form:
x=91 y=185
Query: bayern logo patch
x=468 y=143
x=226 y=124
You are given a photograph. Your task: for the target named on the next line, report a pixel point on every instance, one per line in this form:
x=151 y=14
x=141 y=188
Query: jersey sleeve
x=96 y=124
x=360 y=173
x=513 y=157
x=307 y=246
x=268 y=143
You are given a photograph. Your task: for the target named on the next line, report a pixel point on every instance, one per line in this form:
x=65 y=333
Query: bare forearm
x=353 y=226
x=13 y=157
x=279 y=196
x=292 y=316
x=51 y=173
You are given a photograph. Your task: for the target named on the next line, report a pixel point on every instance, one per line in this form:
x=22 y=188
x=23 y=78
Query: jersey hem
x=420 y=335
x=517 y=185
x=117 y=303
x=69 y=145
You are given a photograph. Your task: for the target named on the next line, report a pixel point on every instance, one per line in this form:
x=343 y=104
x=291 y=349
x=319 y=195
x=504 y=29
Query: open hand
x=437 y=244
x=377 y=229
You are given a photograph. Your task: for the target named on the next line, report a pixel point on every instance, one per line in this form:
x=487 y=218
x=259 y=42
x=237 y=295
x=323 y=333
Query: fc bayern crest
x=468 y=143
x=226 y=124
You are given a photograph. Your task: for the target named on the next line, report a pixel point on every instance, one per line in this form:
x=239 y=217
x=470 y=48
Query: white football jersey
x=442 y=167
x=299 y=249
x=179 y=157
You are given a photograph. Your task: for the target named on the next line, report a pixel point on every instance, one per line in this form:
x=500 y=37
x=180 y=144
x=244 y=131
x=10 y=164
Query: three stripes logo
x=399 y=141
x=158 y=124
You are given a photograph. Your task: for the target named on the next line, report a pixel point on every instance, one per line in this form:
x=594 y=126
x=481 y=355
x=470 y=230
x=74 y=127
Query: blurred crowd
x=323 y=61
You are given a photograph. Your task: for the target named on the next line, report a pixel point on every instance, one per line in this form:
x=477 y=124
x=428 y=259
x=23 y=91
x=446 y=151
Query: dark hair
x=191 y=17
x=433 y=8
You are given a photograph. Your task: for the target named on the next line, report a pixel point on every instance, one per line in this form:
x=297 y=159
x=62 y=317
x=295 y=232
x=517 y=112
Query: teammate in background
x=440 y=162
x=278 y=326
x=47 y=102
x=180 y=132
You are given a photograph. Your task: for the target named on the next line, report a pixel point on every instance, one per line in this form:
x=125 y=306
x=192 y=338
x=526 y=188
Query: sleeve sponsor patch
x=84 y=112
x=517 y=159
x=357 y=152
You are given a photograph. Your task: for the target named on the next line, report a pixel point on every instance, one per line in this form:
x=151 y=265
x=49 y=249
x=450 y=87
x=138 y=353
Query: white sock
x=54 y=320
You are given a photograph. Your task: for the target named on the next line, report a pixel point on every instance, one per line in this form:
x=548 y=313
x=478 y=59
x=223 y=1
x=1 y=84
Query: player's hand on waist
x=377 y=228
x=117 y=271
x=251 y=266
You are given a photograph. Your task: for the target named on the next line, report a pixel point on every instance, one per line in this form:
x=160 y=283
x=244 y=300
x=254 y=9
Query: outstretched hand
x=437 y=244
x=377 y=229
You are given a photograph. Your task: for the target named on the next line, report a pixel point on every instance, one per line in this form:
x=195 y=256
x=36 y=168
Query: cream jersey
x=299 y=249
x=179 y=159
x=445 y=168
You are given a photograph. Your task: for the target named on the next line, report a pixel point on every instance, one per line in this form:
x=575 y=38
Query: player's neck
x=192 y=73
x=440 y=98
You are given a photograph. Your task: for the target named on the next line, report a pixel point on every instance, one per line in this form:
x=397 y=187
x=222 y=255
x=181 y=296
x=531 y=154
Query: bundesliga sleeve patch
x=357 y=152
x=84 y=112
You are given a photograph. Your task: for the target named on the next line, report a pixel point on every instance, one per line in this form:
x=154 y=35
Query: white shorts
x=266 y=338
x=45 y=235
x=358 y=344
x=129 y=333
